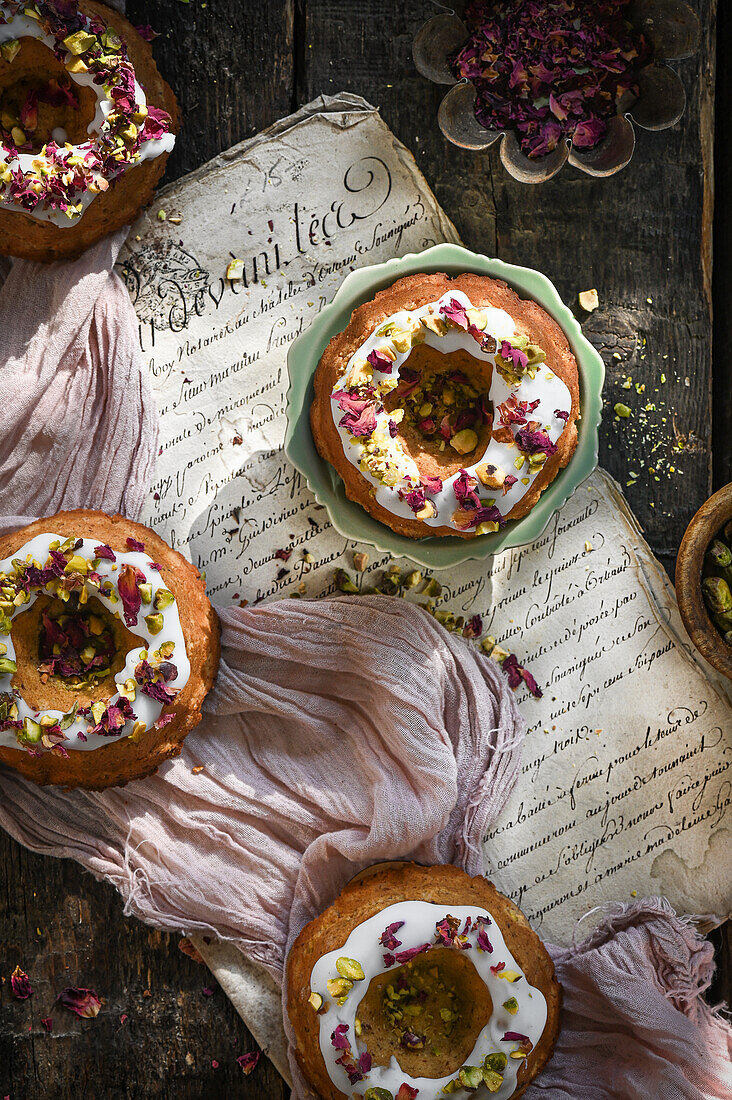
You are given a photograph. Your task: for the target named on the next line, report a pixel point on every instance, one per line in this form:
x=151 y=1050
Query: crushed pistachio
x=339 y=987
x=154 y=622
x=471 y=1077
x=427 y=511
x=493 y=477
x=344 y=583
x=360 y=561
x=10 y=49
x=235 y=271
x=350 y=968
x=163 y=599
x=79 y=42
x=432 y=588
x=464 y=441
x=589 y=300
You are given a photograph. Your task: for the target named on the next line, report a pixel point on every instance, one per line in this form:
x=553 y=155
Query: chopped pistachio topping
x=350 y=968
x=339 y=987
x=154 y=622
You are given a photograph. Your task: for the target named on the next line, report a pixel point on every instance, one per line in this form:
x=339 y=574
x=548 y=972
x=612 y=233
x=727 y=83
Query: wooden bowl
x=710 y=518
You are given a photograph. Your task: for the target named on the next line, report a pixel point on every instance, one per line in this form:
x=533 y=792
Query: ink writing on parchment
x=626 y=765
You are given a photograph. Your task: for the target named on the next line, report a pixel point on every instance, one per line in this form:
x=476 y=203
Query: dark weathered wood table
x=644 y=238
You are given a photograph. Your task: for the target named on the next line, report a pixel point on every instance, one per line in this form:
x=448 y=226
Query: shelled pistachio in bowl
x=704 y=580
x=717 y=581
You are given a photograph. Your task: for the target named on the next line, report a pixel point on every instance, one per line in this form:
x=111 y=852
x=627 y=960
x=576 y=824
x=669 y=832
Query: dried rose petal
x=84 y=1002
x=248 y=1062
x=455 y=312
x=20 y=984
x=388 y=938
x=415 y=499
x=129 y=593
x=105 y=551
x=354 y=1073
x=406 y=1092
x=339 y=1038
x=380 y=362
x=135 y=545
x=514 y=411
x=483 y=942
x=403 y=957
x=473 y=629
x=519 y=358
x=533 y=442
x=489 y=514
x=432 y=484
x=516 y=673
x=364 y=1063
x=550 y=70
x=360 y=413
x=446 y=930
x=464 y=487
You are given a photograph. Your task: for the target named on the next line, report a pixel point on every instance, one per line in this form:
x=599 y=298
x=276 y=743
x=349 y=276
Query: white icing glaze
x=23 y=26
x=547 y=387
x=146 y=709
x=420 y=918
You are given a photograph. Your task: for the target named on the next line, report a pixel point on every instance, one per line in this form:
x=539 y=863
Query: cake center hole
x=39 y=102
x=76 y=642
x=427 y=1014
x=448 y=416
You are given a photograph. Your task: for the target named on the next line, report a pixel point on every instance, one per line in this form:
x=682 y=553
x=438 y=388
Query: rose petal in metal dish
x=661 y=100
x=671 y=27
x=435 y=43
x=611 y=154
x=528 y=170
x=456 y=118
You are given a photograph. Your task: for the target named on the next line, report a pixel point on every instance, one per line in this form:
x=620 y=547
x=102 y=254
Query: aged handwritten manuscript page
x=626 y=783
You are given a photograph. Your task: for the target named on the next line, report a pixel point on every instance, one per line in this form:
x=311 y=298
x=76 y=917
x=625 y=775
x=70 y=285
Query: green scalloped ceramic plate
x=349 y=518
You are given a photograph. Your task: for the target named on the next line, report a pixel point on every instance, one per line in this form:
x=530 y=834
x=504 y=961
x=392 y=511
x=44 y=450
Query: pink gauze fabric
x=635 y=1025
x=79 y=420
x=340 y=732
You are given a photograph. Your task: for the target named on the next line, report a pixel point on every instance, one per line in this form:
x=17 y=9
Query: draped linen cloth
x=340 y=732
x=80 y=426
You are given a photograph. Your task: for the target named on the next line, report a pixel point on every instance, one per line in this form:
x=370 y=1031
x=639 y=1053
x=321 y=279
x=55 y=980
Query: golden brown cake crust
x=123 y=760
x=30 y=239
x=374 y=891
x=410 y=293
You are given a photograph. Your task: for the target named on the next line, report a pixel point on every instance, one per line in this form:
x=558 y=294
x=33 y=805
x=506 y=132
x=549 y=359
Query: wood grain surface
x=644 y=239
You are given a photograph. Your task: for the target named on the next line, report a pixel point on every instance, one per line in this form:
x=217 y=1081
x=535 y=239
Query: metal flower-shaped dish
x=672 y=29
